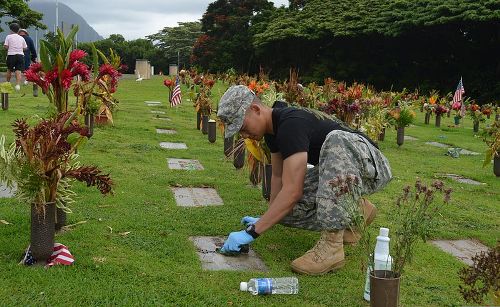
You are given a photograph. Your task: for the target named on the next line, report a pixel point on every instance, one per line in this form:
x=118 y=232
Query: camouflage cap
x=232 y=107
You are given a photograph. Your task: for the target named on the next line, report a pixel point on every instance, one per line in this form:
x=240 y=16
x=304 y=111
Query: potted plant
x=487 y=109
x=476 y=115
x=401 y=117
x=43 y=164
x=457 y=108
x=439 y=110
x=203 y=104
x=5 y=89
x=95 y=91
x=259 y=164
x=54 y=73
x=491 y=136
x=413 y=218
x=430 y=106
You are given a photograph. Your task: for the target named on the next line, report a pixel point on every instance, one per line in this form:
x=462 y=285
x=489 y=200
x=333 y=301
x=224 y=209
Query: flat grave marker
x=169 y=145
x=184 y=164
x=464 y=250
x=197 y=197
x=165 y=131
x=5 y=192
x=461 y=179
x=213 y=261
x=157 y=112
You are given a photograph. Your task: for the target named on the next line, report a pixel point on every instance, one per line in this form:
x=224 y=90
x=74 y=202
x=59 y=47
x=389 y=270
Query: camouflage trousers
x=342 y=154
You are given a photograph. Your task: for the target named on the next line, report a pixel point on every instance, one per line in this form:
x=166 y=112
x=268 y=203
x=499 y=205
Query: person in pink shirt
x=15 y=45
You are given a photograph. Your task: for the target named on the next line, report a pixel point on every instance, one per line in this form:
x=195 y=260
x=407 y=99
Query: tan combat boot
x=327 y=255
x=351 y=236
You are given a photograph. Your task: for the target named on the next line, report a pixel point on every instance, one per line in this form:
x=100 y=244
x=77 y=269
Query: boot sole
x=333 y=268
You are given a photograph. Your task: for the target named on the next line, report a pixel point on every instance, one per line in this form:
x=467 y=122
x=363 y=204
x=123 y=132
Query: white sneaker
x=17 y=87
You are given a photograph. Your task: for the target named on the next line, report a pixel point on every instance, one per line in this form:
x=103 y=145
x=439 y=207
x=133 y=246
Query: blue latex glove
x=248 y=220
x=235 y=240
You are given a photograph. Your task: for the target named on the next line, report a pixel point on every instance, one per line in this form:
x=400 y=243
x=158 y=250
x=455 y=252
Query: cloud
x=136 y=19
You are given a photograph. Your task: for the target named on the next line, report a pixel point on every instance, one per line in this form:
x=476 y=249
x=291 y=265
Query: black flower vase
x=60 y=219
x=228 y=146
x=89 y=122
x=42 y=232
x=457 y=120
x=5 y=101
x=256 y=173
x=198 y=120
x=239 y=157
x=212 y=131
x=438 y=120
x=400 y=136
x=496 y=165
x=427 y=118
x=381 y=136
x=266 y=181
x=204 y=124
x=476 y=126
x=35 y=90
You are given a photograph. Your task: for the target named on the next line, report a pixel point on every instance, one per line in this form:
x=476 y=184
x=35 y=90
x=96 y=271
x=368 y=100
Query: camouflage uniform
x=342 y=153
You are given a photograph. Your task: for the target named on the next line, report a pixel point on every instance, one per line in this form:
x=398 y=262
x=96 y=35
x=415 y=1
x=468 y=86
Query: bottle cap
x=243 y=286
x=384 y=232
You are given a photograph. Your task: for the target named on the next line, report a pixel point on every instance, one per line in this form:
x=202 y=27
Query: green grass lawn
x=156 y=264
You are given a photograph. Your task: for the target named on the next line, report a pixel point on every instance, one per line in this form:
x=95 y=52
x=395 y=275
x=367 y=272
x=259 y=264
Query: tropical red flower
x=168 y=82
x=51 y=76
x=34 y=75
x=66 y=78
x=108 y=69
x=76 y=55
x=80 y=69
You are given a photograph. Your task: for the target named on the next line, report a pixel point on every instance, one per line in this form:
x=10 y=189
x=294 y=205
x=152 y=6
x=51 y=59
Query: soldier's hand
x=248 y=220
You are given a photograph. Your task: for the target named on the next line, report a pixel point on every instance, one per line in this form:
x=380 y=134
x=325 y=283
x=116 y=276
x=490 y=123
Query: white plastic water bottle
x=283 y=285
x=381 y=259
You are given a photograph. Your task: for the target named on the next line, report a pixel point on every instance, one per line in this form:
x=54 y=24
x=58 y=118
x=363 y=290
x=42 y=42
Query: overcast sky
x=136 y=19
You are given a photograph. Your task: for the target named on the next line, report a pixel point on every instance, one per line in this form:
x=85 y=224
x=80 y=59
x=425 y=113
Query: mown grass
x=155 y=264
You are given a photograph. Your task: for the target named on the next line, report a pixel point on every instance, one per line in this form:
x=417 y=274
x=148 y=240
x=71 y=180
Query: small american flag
x=176 y=94
x=457 y=98
x=60 y=255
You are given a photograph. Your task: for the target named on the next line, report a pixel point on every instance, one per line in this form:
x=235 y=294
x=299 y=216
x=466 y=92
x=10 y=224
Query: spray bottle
x=381 y=258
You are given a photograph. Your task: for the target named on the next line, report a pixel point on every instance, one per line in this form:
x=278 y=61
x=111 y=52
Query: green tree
x=20 y=11
x=175 y=41
x=129 y=51
x=425 y=44
x=227 y=41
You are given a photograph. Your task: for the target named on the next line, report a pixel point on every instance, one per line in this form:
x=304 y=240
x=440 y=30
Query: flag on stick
x=457 y=98
x=176 y=94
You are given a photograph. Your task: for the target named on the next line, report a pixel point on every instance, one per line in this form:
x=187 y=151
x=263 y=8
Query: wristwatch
x=251 y=231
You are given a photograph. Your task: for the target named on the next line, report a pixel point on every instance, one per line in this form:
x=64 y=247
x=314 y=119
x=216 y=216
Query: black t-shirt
x=300 y=130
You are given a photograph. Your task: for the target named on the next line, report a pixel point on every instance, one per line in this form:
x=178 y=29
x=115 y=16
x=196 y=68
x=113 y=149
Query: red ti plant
x=59 y=64
x=43 y=161
x=95 y=92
